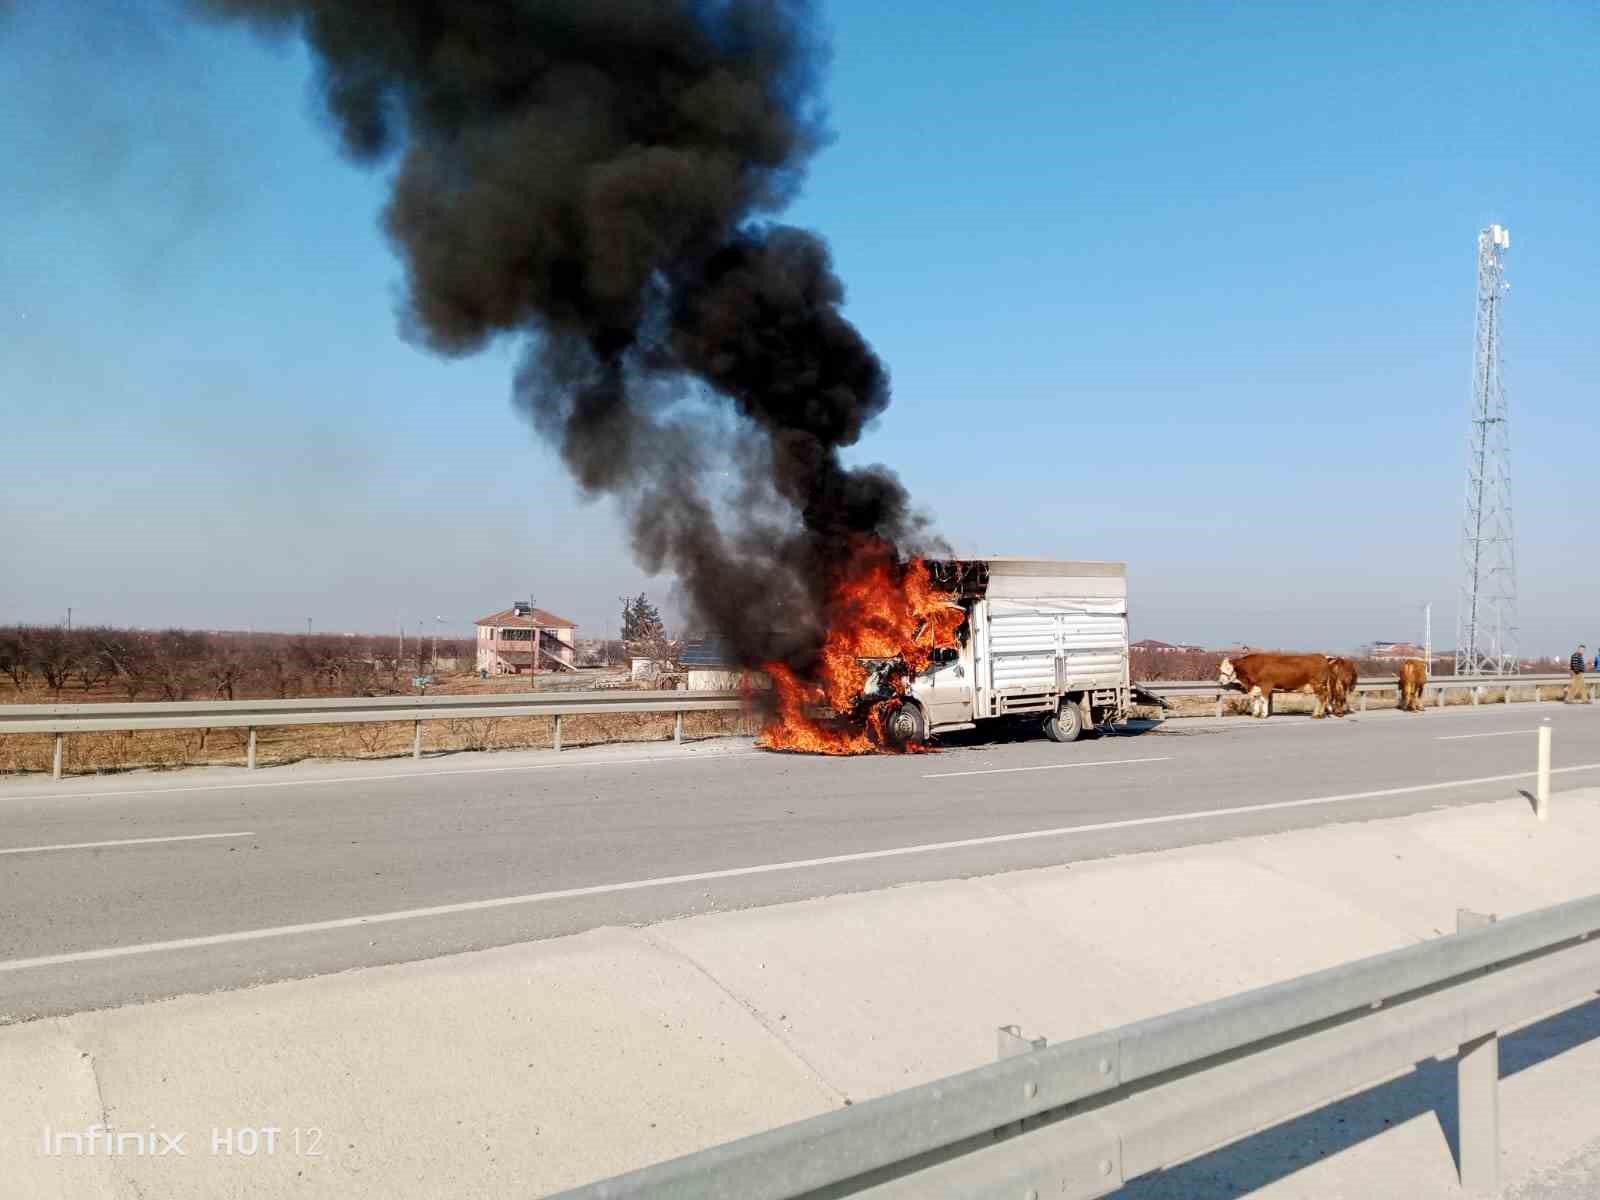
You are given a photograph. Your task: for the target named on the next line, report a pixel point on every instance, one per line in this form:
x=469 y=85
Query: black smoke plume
x=595 y=176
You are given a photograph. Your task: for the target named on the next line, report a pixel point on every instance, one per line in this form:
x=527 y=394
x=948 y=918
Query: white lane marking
x=283 y=783
x=187 y=837
x=1109 y=762
x=1456 y=737
x=634 y=885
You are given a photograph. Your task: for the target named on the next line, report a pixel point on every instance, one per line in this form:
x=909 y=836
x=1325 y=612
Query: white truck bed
x=1045 y=628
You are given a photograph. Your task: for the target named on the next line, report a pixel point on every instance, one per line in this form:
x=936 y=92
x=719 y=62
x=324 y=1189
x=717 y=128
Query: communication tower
x=1486 y=625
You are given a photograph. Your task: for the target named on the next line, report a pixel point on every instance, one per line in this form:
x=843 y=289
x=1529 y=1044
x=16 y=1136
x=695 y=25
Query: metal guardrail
x=242 y=714
x=62 y=719
x=1082 y=1118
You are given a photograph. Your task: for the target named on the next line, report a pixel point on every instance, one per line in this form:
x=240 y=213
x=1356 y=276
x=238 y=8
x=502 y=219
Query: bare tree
x=131 y=656
x=225 y=667
x=16 y=655
x=388 y=668
x=1184 y=665
x=603 y=653
x=179 y=655
x=277 y=672
x=53 y=657
x=89 y=663
x=179 y=664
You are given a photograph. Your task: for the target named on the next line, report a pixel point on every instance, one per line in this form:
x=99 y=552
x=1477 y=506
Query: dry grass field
x=171 y=748
x=275 y=745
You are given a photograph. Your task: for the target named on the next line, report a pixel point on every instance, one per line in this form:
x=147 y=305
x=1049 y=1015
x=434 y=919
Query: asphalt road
x=218 y=878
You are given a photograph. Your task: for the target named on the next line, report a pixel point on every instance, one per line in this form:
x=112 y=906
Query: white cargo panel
x=1043 y=578
x=1056 y=644
x=1022 y=648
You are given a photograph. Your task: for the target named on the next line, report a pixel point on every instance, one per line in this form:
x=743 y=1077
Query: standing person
x=1577 y=690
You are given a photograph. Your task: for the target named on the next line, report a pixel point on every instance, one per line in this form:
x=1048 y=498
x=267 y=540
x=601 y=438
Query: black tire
x=1065 y=725
x=905 y=724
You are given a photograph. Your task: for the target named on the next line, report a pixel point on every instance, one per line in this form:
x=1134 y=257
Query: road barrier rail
x=64 y=719
x=1082 y=1118
x=244 y=714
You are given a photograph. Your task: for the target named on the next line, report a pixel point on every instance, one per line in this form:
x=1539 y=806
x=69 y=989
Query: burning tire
x=1066 y=724
x=904 y=725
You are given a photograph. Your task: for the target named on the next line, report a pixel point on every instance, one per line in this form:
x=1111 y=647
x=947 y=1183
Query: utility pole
x=1486 y=623
x=1427 y=640
x=308 y=626
x=533 y=668
x=69 y=618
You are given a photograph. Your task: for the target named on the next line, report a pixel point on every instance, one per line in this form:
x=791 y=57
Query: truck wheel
x=1066 y=724
x=905 y=725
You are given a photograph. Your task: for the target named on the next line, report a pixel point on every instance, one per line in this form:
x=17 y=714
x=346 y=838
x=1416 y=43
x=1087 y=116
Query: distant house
x=1154 y=647
x=1394 y=651
x=522 y=639
x=711 y=668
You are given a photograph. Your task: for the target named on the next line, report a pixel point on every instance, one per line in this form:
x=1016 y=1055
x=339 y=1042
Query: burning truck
x=931 y=646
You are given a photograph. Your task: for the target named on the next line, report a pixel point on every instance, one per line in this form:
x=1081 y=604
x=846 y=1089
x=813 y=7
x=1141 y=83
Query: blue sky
x=1189 y=287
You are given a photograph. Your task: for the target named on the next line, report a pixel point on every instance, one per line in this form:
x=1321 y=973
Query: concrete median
x=525 y=1069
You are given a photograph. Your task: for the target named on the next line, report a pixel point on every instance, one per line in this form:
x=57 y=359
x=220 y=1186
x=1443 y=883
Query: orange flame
x=880 y=608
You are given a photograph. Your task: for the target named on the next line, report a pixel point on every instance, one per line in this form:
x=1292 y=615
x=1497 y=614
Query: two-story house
x=522 y=639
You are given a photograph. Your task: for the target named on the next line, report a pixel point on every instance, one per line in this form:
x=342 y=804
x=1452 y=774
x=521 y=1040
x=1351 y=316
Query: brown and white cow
x=1413 y=677
x=1260 y=675
x=1341 y=682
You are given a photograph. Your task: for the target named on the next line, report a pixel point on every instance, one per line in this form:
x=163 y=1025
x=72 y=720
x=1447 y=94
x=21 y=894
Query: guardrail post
x=1478 y=1096
x=1475 y=691
x=557 y=736
x=60 y=754
x=1219 y=704
x=416 y=739
x=1009 y=1043
x=1541 y=804
x=677 y=728
x=250 y=750
x=1438 y=693
x=1363 y=702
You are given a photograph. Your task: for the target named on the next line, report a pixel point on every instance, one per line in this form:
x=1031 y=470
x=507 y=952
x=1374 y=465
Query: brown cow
x=1413 y=676
x=1259 y=675
x=1341 y=682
